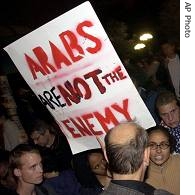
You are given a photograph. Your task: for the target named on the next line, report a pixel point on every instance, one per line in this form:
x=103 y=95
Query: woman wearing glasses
x=164 y=169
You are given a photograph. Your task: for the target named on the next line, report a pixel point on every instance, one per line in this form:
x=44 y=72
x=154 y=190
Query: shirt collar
x=136 y=185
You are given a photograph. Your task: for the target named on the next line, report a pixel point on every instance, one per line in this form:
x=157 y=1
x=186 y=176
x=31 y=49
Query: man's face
x=97 y=163
x=40 y=139
x=170 y=114
x=31 y=169
x=168 y=49
x=159 y=148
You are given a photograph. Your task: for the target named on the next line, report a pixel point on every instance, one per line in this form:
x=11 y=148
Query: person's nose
x=103 y=163
x=158 y=149
x=40 y=168
x=170 y=117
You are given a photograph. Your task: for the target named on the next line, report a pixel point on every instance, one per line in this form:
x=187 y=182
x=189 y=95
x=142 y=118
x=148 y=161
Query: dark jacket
x=131 y=187
x=62 y=150
x=66 y=183
x=45 y=189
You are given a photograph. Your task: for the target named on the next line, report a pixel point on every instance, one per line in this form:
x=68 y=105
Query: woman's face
x=97 y=163
x=159 y=147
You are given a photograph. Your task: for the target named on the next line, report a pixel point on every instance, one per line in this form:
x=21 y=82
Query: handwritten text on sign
x=74 y=70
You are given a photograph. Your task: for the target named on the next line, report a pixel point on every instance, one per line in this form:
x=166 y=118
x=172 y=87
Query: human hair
x=41 y=126
x=83 y=170
x=168 y=41
x=165 y=131
x=165 y=97
x=18 y=152
x=127 y=158
x=92 y=151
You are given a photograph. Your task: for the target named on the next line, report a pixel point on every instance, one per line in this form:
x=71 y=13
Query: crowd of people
x=133 y=160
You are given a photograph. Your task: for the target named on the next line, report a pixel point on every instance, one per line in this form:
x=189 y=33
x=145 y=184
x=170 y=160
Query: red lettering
x=71 y=44
x=70 y=129
x=107 y=119
x=74 y=51
x=43 y=59
x=123 y=110
x=106 y=77
x=80 y=81
x=69 y=95
x=81 y=127
x=120 y=74
x=85 y=124
x=34 y=67
x=93 y=75
x=90 y=37
x=58 y=56
x=114 y=76
x=86 y=118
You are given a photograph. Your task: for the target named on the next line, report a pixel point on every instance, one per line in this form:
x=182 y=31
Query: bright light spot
x=145 y=37
x=139 y=46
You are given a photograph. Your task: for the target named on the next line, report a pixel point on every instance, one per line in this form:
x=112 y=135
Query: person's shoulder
x=10 y=125
x=45 y=189
x=175 y=157
x=162 y=192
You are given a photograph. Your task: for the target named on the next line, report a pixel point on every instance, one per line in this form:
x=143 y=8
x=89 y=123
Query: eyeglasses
x=162 y=145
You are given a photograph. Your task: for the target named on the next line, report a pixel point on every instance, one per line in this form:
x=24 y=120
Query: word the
x=73 y=92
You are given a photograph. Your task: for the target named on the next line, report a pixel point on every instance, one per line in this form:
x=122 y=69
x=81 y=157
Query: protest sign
x=73 y=69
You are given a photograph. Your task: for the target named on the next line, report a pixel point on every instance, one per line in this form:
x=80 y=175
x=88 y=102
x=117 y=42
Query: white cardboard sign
x=73 y=69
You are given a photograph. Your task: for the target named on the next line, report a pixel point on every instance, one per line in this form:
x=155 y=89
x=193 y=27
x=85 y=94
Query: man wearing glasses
x=164 y=168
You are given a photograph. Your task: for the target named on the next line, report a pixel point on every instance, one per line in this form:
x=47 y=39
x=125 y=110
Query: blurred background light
x=139 y=46
x=145 y=37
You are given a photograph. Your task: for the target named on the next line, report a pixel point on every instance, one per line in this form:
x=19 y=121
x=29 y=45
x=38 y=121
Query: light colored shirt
x=11 y=134
x=166 y=176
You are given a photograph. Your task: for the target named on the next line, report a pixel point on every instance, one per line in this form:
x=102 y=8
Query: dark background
x=159 y=17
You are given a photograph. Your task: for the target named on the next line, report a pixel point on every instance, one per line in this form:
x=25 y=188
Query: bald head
x=125 y=146
x=123 y=133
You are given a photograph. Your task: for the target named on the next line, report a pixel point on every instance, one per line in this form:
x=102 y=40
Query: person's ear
x=17 y=172
x=102 y=144
x=145 y=162
x=146 y=156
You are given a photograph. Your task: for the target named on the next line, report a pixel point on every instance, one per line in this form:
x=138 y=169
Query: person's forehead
x=29 y=158
x=158 y=136
x=94 y=157
x=167 y=45
x=95 y=154
x=171 y=104
x=35 y=134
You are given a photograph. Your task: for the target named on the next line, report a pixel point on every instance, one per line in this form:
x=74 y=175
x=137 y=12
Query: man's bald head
x=125 y=146
x=122 y=133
